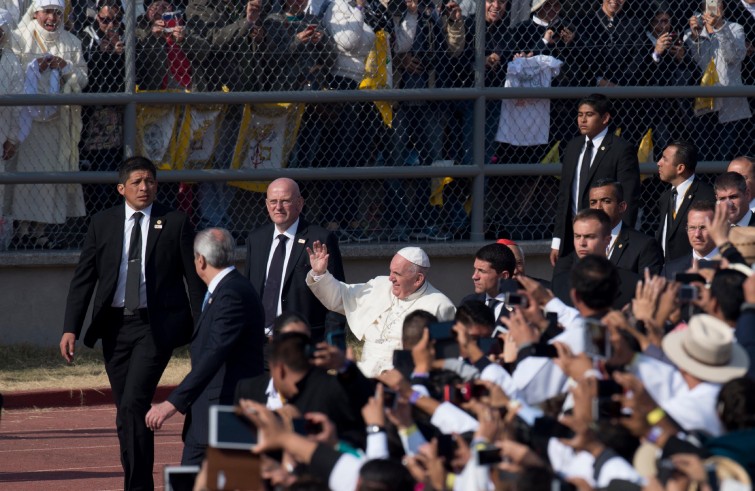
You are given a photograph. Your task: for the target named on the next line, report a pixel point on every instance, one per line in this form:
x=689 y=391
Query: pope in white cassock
x=375 y=310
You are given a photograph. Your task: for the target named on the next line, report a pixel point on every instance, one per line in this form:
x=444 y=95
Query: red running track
x=72 y=449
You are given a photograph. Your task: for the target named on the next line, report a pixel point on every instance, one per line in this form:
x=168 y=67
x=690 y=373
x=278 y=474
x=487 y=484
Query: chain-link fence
x=456 y=56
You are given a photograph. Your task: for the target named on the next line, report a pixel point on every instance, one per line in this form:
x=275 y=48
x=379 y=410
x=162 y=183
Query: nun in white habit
x=52 y=60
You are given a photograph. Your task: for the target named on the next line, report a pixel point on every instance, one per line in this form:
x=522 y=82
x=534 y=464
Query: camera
x=515 y=300
x=688 y=293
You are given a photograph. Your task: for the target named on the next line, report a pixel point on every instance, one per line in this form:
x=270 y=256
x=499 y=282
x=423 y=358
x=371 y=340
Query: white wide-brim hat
x=707 y=350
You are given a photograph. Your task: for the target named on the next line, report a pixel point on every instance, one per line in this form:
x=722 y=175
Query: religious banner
x=156 y=132
x=198 y=136
x=267 y=135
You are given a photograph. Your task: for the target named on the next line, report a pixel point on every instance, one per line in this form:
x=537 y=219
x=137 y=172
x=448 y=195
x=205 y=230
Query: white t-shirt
x=526 y=122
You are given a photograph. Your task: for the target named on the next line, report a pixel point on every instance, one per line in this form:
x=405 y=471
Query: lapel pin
x=159 y=224
x=602 y=148
x=621 y=245
x=302 y=241
x=209 y=301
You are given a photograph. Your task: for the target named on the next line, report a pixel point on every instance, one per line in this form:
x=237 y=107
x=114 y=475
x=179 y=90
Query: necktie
x=672 y=207
x=272 y=288
x=584 y=172
x=134 y=267
x=492 y=302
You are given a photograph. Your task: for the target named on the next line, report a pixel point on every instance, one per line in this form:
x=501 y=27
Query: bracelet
x=655 y=416
x=414 y=397
x=726 y=245
x=654 y=434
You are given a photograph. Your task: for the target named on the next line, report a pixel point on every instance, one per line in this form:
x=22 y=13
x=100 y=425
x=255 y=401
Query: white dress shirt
x=119 y=298
x=681 y=191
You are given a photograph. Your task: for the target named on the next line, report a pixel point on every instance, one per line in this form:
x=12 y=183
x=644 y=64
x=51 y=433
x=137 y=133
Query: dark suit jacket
x=169 y=261
x=678 y=265
x=225 y=348
x=745 y=335
x=677 y=242
x=615 y=159
x=635 y=251
x=295 y=295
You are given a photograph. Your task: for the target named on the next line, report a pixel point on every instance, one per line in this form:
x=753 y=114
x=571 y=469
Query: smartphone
x=515 y=300
x=608 y=388
x=490 y=345
x=337 y=339
x=172 y=16
x=545 y=350
x=442 y=330
x=311 y=27
x=489 y=456
x=230 y=430
x=709 y=264
x=389 y=398
x=180 y=477
x=711 y=7
x=551 y=427
x=687 y=278
x=446 y=447
x=304 y=427
x=688 y=293
x=600 y=338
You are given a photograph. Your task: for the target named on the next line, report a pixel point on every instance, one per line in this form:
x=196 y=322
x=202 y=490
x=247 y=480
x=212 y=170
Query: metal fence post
x=478 y=140
x=129 y=113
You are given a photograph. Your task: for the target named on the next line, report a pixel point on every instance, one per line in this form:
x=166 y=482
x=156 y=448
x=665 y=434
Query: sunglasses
x=108 y=20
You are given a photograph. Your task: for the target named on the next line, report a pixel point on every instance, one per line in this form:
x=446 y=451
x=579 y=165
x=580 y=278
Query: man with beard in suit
x=596 y=154
x=629 y=249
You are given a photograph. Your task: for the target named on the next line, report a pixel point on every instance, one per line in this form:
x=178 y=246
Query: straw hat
x=707 y=350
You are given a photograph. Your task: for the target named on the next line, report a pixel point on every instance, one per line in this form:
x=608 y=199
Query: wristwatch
x=372 y=429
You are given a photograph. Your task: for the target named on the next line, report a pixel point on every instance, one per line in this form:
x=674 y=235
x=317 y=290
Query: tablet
x=230 y=430
x=180 y=477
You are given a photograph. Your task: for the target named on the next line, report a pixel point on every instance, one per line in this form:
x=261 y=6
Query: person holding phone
x=712 y=37
x=102 y=143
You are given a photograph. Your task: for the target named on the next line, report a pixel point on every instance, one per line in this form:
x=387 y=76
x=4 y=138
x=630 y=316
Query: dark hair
x=133 y=164
x=618 y=189
x=499 y=256
x=475 y=312
x=292 y=350
x=111 y=4
x=702 y=205
x=749 y=160
x=287 y=317
x=534 y=479
x=595 y=281
x=414 y=324
x=595 y=214
x=726 y=288
x=385 y=475
x=686 y=153
x=600 y=103
x=731 y=180
x=736 y=404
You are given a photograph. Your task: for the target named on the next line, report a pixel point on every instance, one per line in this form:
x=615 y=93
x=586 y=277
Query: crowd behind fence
x=316 y=48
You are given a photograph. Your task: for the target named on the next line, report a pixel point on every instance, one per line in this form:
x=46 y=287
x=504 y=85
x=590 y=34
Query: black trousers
x=134 y=365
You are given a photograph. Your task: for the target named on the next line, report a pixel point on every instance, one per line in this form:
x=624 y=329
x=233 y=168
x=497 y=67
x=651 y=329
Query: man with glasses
x=277 y=262
x=702 y=244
